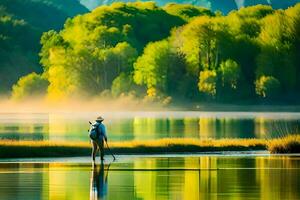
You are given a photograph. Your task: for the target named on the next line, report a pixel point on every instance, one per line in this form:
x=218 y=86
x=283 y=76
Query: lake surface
x=235 y=177
x=149 y=125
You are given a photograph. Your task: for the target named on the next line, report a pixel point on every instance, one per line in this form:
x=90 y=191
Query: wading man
x=97 y=134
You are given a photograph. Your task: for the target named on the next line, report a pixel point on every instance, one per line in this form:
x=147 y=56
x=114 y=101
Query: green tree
x=208 y=82
x=192 y=49
x=127 y=18
x=21 y=26
x=123 y=84
x=31 y=85
x=277 y=56
x=151 y=68
x=230 y=73
x=94 y=70
x=159 y=68
x=49 y=41
x=203 y=42
x=186 y=11
x=257 y=12
x=267 y=87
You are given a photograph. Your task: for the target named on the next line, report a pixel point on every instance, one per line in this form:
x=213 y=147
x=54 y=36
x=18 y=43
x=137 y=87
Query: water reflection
x=73 y=127
x=205 y=177
x=99 y=177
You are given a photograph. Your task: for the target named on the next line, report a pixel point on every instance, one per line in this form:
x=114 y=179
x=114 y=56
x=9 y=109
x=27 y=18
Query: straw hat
x=99 y=119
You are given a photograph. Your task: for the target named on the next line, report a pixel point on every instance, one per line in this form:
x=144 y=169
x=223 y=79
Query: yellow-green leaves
x=208 y=82
x=151 y=68
x=32 y=85
x=230 y=73
x=267 y=87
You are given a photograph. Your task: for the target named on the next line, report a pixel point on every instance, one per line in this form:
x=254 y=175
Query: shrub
x=208 y=82
x=31 y=85
x=267 y=87
x=288 y=144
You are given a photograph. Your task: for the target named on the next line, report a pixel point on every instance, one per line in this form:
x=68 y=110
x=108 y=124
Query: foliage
x=278 y=56
x=187 y=11
x=121 y=85
x=257 y=11
x=203 y=41
x=21 y=25
x=208 y=82
x=159 y=69
x=214 y=5
x=31 y=85
x=287 y=144
x=151 y=68
x=91 y=71
x=267 y=86
x=126 y=19
x=190 y=54
x=230 y=73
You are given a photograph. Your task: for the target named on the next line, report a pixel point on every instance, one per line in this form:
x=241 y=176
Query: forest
x=22 y=23
x=170 y=53
x=225 y=6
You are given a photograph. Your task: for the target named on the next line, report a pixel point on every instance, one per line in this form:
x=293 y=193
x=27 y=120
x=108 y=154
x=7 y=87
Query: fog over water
x=148 y=125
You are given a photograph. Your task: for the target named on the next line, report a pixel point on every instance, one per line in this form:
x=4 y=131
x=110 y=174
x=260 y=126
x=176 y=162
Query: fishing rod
x=110 y=150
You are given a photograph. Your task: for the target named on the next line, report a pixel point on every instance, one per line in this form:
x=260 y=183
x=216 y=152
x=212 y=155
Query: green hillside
x=22 y=23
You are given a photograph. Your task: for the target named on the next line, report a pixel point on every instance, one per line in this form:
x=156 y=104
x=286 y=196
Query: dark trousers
x=98 y=144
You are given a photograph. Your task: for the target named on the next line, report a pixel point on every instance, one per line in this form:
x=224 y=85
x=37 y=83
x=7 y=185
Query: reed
x=14 y=149
x=287 y=144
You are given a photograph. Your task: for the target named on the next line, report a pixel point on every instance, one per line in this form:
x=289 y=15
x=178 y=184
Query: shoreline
x=12 y=107
x=34 y=149
x=82 y=160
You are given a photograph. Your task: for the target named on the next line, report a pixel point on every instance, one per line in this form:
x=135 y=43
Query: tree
x=208 y=82
x=21 y=26
x=151 y=68
x=30 y=86
x=277 y=56
x=203 y=40
x=91 y=71
x=121 y=85
x=257 y=11
x=230 y=73
x=187 y=11
x=107 y=52
x=49 y=41
x=267 y=87
x=127 y=18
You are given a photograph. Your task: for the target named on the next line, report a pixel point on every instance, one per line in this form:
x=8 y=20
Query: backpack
x=94 y=132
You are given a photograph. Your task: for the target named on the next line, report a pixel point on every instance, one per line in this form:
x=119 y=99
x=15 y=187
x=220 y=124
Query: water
x=177 y=177
x=149 y=125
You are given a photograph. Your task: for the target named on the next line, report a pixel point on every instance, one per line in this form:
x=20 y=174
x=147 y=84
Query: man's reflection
x=98 y=188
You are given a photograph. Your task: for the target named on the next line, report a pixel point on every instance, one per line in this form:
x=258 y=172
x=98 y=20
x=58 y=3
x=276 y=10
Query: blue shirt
x=102 y=130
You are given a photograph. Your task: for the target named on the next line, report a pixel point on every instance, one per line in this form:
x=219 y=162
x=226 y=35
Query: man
x=98 y=142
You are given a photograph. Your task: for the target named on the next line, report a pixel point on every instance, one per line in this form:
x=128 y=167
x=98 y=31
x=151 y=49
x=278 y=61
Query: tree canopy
x=175 y=52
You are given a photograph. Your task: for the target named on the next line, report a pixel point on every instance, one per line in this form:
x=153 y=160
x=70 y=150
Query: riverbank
x=23 y=149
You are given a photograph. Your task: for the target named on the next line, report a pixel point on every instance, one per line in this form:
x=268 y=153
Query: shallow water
x=176 y=177
x=149 y=125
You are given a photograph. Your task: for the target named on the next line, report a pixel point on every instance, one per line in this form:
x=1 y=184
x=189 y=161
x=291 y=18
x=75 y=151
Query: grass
x=288 y=144
x=14 y=149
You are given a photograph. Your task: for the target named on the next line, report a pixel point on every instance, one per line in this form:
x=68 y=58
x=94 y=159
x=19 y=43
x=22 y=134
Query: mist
x=95 y=104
